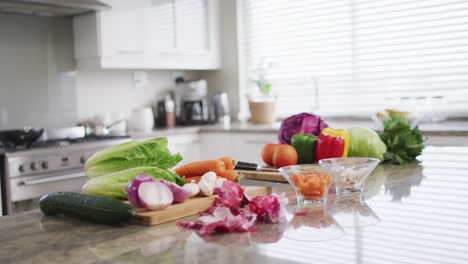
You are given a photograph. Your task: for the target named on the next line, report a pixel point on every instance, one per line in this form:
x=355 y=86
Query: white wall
x=39 y=85
x=36 y=86
x=112 y=91
x=227 y=78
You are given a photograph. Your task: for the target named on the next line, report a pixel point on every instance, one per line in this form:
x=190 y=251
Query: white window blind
x=355 y=57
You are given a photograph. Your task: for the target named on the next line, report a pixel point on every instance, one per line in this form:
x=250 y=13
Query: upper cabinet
x=150 y=34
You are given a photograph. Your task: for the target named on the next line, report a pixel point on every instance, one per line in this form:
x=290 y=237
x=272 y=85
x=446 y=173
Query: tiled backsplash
x=40 y=87
x=37 y=82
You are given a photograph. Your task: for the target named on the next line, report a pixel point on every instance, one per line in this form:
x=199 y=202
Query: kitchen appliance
x=191 y=102
x=100 y=129
x=220 y=110
x=165 y=113
x=25 y=136
x=52 y=163
x=142 y=120
x=51 y=8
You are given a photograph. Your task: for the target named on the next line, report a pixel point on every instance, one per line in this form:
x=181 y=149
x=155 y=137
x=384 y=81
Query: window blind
x=357 y=57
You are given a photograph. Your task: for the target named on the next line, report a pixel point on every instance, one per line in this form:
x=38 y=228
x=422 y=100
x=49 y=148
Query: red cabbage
x=221 y=221
x=300 y=123
x=269 y=208
x=230 y=194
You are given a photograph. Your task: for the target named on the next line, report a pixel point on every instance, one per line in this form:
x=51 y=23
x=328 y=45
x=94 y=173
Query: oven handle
x=53 y=179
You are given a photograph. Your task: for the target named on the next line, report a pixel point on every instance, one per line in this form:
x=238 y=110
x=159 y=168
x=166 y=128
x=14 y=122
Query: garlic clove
x=192 y=187
x=210 y=177
x=205 y=187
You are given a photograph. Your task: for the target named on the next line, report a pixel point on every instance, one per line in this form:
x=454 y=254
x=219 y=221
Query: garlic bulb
x=205 y=187
x=192 y=187
x=210 y=177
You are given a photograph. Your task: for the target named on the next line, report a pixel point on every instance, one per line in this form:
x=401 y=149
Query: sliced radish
x=155 y=195
x=180 y=194
x=133 y=189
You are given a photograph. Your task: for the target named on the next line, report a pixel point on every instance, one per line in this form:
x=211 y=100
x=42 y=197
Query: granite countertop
x=412 y=214
x=447 y=128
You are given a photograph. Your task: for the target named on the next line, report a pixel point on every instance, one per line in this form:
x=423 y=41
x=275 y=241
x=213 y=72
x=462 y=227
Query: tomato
x=284 y=155
x=267 y=153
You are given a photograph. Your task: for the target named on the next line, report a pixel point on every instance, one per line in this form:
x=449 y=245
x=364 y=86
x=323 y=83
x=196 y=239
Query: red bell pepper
x=329 y=146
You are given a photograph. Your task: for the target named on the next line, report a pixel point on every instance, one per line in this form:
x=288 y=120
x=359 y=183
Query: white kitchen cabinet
x=149 y=34
x=188 y=145
x=216 y=145
x=242 y=146
x=446 y=141
x=248 y=146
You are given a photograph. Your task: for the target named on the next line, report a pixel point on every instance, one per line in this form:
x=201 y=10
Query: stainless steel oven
x=29 y=173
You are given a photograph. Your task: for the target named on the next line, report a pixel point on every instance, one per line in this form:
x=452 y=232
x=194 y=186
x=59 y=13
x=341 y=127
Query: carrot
x=229 y=162
x=312 y=185
x=229 y=175
x=194 y=178
x=201 y=167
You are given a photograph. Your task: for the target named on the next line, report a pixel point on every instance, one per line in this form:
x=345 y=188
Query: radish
x=133 y=189
x=180 y=194
x=155 y=195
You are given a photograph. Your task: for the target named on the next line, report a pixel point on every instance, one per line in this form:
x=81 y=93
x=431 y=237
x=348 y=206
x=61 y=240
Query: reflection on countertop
x=447 y=128
x=423 y=212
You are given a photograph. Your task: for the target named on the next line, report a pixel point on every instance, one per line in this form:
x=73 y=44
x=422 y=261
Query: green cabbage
x=115 y=185
x=131 y=154
x=365 y=143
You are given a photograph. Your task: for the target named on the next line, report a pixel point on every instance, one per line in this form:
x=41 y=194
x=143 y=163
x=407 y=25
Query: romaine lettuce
x=131 y=154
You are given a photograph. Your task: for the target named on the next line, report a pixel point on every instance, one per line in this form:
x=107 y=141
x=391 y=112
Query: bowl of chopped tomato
x=310 y=182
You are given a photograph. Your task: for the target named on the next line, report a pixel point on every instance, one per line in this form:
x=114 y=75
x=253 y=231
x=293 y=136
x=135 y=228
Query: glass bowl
x=352 y=211
x=310 y=182
x=349 y=173
x=317 y=225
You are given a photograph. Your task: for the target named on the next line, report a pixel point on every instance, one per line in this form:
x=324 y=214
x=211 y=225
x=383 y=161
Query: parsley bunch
x=403 y=143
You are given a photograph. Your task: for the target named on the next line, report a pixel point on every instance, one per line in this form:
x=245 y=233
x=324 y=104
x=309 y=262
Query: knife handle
x=245 y=166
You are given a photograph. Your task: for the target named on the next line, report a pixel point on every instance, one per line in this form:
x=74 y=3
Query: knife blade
x=241 y=165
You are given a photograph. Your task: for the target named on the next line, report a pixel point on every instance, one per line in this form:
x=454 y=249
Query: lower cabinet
x=242 y=146
x=446 y=141
x=212 y=145
x=188 y=145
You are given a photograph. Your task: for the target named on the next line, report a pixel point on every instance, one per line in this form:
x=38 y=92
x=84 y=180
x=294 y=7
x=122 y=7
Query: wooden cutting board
x=262 y=176
x=189 y=207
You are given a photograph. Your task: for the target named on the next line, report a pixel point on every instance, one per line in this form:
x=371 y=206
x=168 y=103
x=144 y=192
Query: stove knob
x=82 y=160
x=45 y=165
x=33 y=166
x=21 y=168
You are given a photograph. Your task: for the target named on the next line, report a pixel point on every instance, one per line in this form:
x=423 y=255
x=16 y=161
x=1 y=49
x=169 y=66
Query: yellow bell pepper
x=339 y=132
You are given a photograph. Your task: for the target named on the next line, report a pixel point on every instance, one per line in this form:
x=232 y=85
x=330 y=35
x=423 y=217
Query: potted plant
x=262 y=102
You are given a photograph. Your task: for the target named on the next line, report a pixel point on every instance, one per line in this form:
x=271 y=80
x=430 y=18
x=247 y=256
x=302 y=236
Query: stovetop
x=9 y=147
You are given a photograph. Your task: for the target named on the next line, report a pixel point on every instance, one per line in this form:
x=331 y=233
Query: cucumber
x=96 y=209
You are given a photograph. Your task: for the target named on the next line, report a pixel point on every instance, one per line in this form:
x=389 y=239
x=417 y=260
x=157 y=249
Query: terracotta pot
x=262 y=112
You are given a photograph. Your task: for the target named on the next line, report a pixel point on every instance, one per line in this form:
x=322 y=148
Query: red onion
x=180 y=194
x=155 y=195
x=133 y=189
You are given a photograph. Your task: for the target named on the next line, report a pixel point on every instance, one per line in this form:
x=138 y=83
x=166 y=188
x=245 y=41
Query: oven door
x=32 y=187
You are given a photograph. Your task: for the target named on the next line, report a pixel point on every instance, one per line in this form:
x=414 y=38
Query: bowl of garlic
x=349 y=173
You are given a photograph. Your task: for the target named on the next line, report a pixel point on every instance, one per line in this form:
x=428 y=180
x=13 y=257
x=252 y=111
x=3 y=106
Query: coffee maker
x=191 y=102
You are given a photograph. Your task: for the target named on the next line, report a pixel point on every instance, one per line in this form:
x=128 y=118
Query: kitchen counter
x=447 y=128
x=414 y=214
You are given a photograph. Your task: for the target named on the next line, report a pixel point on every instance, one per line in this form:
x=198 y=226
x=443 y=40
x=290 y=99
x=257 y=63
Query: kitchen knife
x=241 y=165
